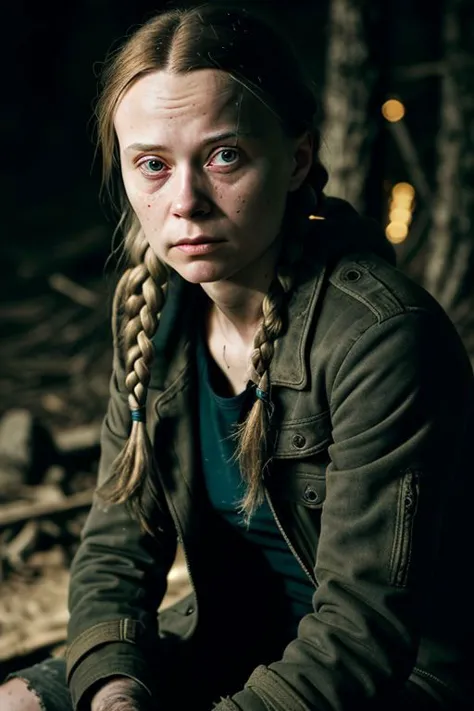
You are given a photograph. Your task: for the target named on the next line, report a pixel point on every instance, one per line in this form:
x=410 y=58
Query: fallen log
x=78 y=438
x=14 y=513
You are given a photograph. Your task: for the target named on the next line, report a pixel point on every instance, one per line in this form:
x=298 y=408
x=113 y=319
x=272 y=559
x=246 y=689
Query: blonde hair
x=253 y=54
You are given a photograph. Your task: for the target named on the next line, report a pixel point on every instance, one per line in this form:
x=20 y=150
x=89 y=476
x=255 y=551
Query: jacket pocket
x=300 y=487
x=403 y=540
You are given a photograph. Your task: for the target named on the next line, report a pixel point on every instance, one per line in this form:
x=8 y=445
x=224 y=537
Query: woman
x=284 y=403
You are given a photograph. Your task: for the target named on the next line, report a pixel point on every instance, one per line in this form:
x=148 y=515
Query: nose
x=190 y=199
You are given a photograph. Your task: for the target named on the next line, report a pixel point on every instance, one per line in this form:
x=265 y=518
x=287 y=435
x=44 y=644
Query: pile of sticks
x=39 y=533
x=40 y=526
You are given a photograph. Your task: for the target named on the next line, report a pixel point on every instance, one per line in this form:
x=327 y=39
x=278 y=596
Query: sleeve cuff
x=245 y=700
x=111 y=659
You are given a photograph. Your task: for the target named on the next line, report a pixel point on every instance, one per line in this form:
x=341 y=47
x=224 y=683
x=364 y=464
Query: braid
x=141 y=291
x=144 y=301
x=252 y=434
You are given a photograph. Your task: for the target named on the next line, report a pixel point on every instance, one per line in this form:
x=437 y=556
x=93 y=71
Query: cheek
x=266 y=185
x=260 y=202
x=144 y=205
x=139 y=194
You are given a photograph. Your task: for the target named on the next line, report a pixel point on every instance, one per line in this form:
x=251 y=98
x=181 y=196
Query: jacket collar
x=288 y=366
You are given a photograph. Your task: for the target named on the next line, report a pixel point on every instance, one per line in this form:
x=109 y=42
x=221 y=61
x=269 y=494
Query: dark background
x=56 y=235
x=50 y=183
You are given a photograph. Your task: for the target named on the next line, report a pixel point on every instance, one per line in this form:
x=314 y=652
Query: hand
x=120 y=694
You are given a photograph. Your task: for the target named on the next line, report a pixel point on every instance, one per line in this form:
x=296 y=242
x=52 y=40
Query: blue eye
x=228 y=156
x=152 y=165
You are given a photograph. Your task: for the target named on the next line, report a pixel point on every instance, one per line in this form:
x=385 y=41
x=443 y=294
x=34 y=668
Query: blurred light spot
x=404 y=189
x=393 y=110
x=396 y=232
x=316 y=217
x=400 y=214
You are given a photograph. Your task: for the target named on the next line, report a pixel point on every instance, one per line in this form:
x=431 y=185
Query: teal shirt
x=218 y=417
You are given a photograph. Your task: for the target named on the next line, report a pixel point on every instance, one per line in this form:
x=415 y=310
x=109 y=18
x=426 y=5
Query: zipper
x=428 y=675
x=402 y=547
x=287 y=540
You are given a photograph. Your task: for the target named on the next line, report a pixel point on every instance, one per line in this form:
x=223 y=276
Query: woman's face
x=207 y=169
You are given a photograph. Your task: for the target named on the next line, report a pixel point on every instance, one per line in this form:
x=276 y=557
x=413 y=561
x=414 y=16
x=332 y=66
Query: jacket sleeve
x=399 y=404
x=118 y=577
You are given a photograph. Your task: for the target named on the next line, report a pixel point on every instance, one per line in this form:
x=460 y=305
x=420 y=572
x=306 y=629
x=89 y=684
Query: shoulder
x=359 y=265
x=366 y=303
x=360 y=272
x=371 y=292
x=367 y=280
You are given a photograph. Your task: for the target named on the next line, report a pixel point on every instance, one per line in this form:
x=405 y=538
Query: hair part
x=208 y=37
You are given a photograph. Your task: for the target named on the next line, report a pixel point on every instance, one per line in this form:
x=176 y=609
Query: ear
x=302 y=160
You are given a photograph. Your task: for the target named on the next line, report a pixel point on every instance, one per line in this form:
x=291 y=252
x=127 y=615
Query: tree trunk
x=351 y=76
x=449 y=268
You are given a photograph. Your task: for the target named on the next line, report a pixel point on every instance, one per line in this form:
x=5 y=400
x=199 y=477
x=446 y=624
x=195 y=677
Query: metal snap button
x=298 y=441
x=310 y=495
x=352 y=275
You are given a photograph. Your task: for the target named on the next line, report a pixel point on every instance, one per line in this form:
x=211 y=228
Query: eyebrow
x=216 y=138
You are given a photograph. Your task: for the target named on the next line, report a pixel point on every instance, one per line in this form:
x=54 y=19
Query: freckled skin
x=188 y=188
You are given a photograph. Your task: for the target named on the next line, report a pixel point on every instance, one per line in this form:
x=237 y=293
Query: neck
x=236 y=303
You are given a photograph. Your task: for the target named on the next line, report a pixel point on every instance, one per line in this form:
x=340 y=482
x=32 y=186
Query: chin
x=201 y=272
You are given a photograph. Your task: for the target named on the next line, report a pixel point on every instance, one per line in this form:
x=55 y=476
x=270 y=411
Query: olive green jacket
x=370 y=483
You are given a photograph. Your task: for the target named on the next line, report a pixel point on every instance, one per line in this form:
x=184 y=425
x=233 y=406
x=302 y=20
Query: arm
x=120 y=694
x=118 y=578
x=399 y=404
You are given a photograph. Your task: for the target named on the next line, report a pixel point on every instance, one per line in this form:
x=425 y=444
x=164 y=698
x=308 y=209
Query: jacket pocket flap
x=303 y=437
x=300 y=488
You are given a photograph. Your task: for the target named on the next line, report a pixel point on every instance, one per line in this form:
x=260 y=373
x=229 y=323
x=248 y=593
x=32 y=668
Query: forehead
x=164 y=103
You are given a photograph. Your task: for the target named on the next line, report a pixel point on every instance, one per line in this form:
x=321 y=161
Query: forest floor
x=54 y=377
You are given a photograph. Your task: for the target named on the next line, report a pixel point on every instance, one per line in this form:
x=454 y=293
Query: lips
x=198 y=246
x=197 y=240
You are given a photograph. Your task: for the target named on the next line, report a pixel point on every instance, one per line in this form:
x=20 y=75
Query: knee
x=15 y=696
